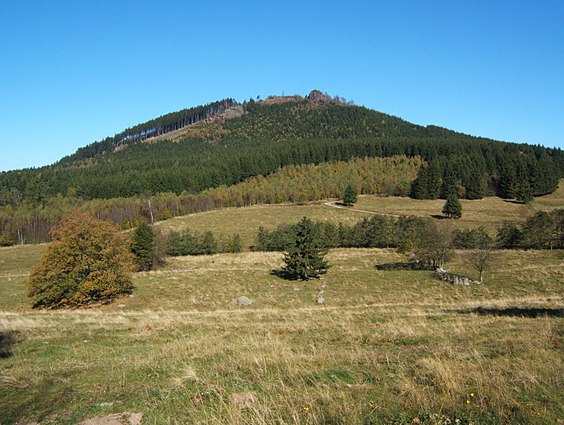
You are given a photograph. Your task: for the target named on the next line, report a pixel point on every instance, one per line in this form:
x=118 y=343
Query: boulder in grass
x=244 y=301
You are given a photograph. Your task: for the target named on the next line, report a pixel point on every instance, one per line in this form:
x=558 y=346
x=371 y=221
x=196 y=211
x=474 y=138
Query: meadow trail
x=334 y=204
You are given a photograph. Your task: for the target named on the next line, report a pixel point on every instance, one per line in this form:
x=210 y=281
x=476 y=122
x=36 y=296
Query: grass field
x=489 y=212
x=246 y=221
x=386 y=347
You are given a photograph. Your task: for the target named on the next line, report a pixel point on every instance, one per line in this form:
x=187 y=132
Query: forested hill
x=204 y=147
x=157 y=127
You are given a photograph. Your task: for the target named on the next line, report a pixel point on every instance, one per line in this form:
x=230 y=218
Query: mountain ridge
x=225 y=142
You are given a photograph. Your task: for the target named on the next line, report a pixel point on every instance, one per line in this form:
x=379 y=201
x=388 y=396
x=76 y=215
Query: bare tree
x=481 y=258
x=432 y=246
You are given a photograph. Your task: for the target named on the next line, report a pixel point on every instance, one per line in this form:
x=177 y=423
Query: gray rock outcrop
x=455 y=279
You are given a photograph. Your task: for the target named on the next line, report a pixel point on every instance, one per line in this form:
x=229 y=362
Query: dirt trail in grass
x=333 y=204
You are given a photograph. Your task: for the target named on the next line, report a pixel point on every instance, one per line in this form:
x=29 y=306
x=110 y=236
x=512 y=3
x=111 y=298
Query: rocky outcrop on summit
x=318 y=97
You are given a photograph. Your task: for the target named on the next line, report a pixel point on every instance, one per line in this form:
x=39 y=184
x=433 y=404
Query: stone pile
x=442 y=274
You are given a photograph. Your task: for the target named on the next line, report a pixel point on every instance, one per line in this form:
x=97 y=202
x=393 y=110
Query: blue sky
x=73 y=72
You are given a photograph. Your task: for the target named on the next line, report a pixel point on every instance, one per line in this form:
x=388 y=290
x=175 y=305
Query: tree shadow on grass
x=440 y=217
x=530 y=312
x=412 y=265
x=283 y=274
x=514 y=201
x=7 y=341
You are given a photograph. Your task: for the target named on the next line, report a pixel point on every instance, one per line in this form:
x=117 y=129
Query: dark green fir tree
x=453 y=207
x=144 y=247
x=524 y=191
x=350 y=196
x=305 y=258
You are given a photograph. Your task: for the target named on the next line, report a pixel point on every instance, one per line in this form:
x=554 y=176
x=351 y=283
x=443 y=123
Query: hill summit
x=226 y=142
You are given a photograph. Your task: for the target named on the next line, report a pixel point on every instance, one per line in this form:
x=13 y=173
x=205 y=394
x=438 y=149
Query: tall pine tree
x=144 y=247
x=305 y=258
x=453 y=207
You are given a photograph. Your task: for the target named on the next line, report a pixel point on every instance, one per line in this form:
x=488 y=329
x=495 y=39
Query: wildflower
x=306 y=408
x=467 y=401
x=471 y=394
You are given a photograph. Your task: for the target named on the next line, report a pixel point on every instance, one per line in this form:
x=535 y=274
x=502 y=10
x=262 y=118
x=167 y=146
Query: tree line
x=89 y=261
x=155 y=127
x=29 y=220
x=543 y=230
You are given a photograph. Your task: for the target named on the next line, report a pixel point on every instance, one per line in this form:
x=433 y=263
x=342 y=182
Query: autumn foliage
x=87 y=262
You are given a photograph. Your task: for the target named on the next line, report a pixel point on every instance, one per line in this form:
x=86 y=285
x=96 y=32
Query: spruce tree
x=305 y=258
x=524 y=192
x=235 y=244
x=208 y=245
x=420 y=186
x=452 y=208
x=144 y=247
x=349 y=196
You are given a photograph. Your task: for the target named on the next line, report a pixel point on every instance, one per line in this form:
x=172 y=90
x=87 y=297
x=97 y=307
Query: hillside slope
x=264 y=136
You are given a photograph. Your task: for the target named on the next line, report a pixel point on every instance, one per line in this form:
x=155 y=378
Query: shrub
x=88 y=261
x=470 y=238
x=188 y=243
x=6 y=240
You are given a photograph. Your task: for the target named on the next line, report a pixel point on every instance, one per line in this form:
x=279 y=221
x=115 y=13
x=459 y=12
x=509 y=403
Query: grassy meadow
x=386 y=347
x=489 y=212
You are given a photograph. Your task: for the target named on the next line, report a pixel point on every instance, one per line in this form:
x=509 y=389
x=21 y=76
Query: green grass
x=15 y=265
x=386 y=347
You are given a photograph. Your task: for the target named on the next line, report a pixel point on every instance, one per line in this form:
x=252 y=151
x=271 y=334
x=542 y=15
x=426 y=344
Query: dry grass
x=246 y=221
x=387 y=347
x=488 y=212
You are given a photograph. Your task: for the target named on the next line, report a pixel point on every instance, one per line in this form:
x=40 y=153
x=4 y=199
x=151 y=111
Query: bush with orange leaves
x=87 y=262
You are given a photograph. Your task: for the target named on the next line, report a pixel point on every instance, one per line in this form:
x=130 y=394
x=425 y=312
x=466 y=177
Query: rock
x=121 y=306
x=115 y=419
x=317 y=96
x=442 y=274
x=320 y=300
x=244 y=301
x=242 y=400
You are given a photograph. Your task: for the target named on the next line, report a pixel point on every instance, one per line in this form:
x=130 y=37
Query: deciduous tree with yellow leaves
x=88 y=261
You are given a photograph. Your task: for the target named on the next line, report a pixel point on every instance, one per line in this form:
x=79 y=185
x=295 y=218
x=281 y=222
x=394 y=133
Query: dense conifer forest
x=212 y=150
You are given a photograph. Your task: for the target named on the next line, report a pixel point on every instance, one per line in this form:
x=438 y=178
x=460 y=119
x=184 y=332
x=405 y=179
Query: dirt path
x=334 y=204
